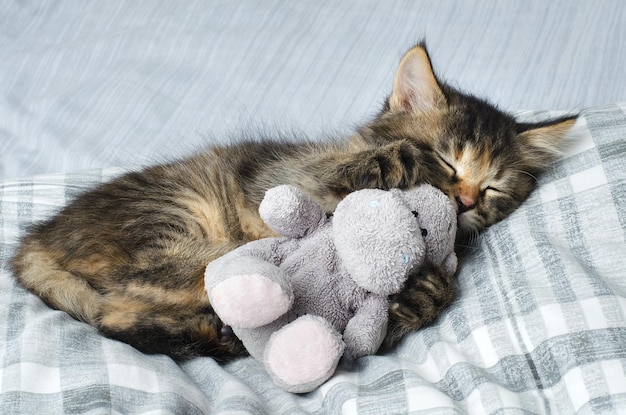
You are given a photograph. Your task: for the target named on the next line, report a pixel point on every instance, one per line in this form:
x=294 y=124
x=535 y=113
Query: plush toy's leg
x=256 y=340
x=303 y=354
x=247 y=292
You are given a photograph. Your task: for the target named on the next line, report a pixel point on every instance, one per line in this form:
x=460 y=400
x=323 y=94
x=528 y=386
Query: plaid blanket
x=539 y=326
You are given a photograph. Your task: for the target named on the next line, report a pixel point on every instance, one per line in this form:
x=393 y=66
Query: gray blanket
x=539 y=327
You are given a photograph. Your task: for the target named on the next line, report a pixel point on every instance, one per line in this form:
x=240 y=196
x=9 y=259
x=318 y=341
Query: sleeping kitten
x=129 y=255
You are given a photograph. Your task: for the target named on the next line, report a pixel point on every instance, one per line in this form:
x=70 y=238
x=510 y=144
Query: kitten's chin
x=468 y=224
x=465 y=222
x=467 y=235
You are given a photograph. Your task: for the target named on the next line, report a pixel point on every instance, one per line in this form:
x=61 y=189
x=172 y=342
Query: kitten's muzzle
x=464 y=204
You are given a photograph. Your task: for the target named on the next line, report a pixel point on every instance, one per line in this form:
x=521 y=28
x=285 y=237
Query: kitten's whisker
x=527 y=174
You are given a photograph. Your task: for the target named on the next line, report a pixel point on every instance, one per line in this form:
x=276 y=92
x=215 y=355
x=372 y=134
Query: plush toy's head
x=378 y=239
x=382 y=235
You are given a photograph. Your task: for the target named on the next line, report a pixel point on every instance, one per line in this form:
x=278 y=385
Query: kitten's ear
x=543 y=142
x=415 y=86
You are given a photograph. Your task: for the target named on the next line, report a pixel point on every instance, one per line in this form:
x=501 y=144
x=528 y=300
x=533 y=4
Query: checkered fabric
x=539 y=326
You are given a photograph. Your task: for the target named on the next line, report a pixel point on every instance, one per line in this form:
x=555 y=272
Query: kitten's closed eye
x=447 y=164
x=490 y=191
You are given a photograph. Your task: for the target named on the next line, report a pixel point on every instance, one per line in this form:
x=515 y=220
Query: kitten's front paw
x=424 y=297
x=392 y=166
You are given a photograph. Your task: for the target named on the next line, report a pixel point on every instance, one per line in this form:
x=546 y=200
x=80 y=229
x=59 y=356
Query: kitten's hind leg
x=164 y=309
x=180 y=333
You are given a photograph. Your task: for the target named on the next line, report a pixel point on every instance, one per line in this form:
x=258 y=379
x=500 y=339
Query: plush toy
x=297 y=301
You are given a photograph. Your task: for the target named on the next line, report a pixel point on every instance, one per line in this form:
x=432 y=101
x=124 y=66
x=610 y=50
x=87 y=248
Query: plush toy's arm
x=272 y=250
x=450 y=263
x=366 y=330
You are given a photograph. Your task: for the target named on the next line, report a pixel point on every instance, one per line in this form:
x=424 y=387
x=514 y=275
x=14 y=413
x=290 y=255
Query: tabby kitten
x=128 y=256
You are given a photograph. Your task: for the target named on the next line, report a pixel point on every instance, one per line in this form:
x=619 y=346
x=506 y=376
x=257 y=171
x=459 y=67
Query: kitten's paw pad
x=304 y=354
x=249 y=300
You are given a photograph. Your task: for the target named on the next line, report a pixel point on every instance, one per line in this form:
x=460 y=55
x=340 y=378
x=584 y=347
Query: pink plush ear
x=415 y=86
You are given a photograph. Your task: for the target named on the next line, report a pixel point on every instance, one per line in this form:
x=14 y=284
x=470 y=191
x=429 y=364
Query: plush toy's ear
x=290 y=212
x=378 y=239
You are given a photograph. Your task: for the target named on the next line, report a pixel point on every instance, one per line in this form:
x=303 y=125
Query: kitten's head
x=480 y=156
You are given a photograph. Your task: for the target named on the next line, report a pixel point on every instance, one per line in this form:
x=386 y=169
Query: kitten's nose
x=465 y=203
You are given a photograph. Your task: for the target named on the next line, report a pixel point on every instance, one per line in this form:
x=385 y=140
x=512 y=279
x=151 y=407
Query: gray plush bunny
x=296 y=302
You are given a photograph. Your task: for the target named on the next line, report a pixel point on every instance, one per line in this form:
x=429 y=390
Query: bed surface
x=101 y=84
x=89 y=90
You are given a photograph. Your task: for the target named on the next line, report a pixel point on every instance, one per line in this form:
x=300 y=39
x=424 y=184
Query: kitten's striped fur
x=129 y=255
